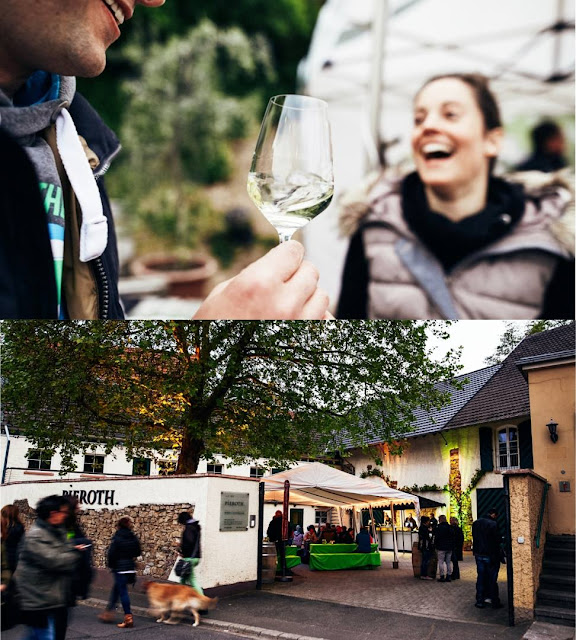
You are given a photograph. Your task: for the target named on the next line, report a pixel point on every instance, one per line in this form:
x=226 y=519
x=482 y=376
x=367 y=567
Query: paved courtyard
x=397 y=590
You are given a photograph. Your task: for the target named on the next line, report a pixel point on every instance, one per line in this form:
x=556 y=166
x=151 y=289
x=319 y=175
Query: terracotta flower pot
x=186 y=277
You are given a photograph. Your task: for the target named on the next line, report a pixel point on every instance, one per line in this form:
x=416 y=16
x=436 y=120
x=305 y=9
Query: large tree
x=277 y=390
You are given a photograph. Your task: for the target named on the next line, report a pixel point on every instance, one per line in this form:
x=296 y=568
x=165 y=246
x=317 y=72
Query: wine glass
x=291 y=179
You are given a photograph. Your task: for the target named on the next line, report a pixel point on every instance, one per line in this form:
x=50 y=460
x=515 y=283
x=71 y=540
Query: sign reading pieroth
x=233 y=511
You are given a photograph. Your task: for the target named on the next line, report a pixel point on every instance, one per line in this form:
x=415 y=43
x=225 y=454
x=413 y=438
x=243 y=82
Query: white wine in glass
x=291 y=179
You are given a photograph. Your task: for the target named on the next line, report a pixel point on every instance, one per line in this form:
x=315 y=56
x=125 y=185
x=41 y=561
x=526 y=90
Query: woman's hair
x=124 y=523
x=10 y=515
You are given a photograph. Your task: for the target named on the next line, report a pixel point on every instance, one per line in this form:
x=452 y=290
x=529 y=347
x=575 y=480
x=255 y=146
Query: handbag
x=183 y=568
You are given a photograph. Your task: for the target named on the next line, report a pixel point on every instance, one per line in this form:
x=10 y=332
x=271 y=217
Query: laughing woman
x=451 y=240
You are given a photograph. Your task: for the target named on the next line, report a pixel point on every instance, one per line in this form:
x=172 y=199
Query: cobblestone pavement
x=397 y=590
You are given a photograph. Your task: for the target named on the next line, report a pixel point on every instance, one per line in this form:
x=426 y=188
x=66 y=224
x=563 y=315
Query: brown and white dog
x=172 y=601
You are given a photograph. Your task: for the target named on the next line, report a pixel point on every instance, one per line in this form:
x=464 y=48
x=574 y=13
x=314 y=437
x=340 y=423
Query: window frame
x=509 y=453
x=39 y=458
x=256 y=472
x=93 y=464
x=214 y=465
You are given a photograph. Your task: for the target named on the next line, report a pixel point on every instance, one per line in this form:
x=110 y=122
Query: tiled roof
x=433 y=421
x=505 y=395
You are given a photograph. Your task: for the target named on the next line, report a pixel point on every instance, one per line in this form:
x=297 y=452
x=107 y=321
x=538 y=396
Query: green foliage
x=415 y=488
x=461 y=501
x=278 y=390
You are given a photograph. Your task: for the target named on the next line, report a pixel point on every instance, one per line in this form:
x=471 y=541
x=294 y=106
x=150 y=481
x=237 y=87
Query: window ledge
x=39 y=473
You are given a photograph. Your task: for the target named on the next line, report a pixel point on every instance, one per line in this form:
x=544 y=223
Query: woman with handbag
x=190 y=549
x=124 y=547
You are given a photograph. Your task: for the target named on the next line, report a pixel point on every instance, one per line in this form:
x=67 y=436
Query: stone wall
x=154 y=524
x=526 y=490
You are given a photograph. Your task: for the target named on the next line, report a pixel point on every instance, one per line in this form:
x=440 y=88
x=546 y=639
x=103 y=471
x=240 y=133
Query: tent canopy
x=317 y=484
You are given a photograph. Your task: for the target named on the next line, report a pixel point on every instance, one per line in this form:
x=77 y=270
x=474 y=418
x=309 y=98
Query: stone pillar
x=526 y=491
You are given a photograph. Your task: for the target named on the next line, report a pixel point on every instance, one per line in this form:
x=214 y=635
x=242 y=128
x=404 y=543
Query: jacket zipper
x=102 y=283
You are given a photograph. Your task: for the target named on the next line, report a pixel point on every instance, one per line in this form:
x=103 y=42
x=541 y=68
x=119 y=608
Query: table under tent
x=319 y=485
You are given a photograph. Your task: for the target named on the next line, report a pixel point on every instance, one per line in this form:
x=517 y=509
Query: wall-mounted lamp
x=552 y=427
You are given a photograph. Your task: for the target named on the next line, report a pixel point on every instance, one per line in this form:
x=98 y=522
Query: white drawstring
x=94 y=228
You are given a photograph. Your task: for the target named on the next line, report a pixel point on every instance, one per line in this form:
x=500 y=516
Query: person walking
x=458 y=553
x=444 y=543
x=425 y=545
x=12 y=534
x=190 y=548
x=123 y=549
x=75 y=533
x=43 y=575
x=486 y=547
x=274 y=533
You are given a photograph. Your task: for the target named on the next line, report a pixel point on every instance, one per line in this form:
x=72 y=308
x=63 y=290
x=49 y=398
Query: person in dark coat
x=458 y=553
x=444 y=543
x=548 y=149
x=190 y=548
x=363 y=540
x=426 y=546
x=46 y=563
x=84 y=574
x=486 y=546
x=124 y=547
x=274 y=533
x=12 y=533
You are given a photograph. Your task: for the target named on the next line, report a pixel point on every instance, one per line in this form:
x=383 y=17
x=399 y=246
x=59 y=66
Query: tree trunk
x=190 y=455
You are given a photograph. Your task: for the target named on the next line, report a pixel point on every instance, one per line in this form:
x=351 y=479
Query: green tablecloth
x=331 y=562
x=337 y=548
x=292 y=560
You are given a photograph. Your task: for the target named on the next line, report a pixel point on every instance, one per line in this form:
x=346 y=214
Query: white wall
x=230 y=556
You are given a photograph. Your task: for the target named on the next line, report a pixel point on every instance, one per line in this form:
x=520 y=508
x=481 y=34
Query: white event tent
x=317 y=484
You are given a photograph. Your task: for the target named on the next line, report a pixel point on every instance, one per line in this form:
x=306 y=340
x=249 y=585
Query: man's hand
x=279 y=286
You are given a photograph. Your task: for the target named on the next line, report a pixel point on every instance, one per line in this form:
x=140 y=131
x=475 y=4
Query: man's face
x=69 y=37
x=57 y=518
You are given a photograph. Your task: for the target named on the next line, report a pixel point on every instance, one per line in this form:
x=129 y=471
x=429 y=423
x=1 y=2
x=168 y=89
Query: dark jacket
x=27 y=284
x=458 y=541
x=124 y=547
x=444 y=537
x=190 y=546
x=13 y=538
x=363 y=542
x=274 y=531
x=425 y=538
x=486 y=538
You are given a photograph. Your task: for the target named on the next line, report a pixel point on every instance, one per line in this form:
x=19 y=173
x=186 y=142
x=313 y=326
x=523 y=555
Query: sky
x=479 y=339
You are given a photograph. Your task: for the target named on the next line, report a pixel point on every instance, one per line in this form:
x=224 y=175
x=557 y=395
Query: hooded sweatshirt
x=38 y=119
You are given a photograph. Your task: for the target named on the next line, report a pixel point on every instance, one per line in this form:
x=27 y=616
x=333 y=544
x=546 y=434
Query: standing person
x=548 y=149
x=58 y=250
x=486 y=546
x=12 y=534
x=190 y=548
x=123 y=549
x=425 y=545
x=44 y=572
x=451 y=240
x=274 y=533
x=75 y=533
x=458 y=553
x=444 y=543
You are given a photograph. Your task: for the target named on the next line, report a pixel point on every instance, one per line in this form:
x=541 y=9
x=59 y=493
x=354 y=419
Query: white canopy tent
x=368 y=58
x=317 y=484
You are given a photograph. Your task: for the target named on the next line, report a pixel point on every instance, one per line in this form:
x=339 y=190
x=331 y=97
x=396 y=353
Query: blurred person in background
x=45 y=569
x=458 y=553
x=75 y=533
x=12 y=534
x=124 y=547
x=451 y=240
x=548 y=149
x=58 y=250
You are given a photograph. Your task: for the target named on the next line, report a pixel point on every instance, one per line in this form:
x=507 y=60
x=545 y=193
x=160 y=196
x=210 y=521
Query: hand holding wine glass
x=291 y=179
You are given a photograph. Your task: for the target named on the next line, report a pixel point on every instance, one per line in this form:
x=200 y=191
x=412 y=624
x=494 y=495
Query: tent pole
x=373 y=523
x=395 y=564
x=281 y=547
x=378 y=38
